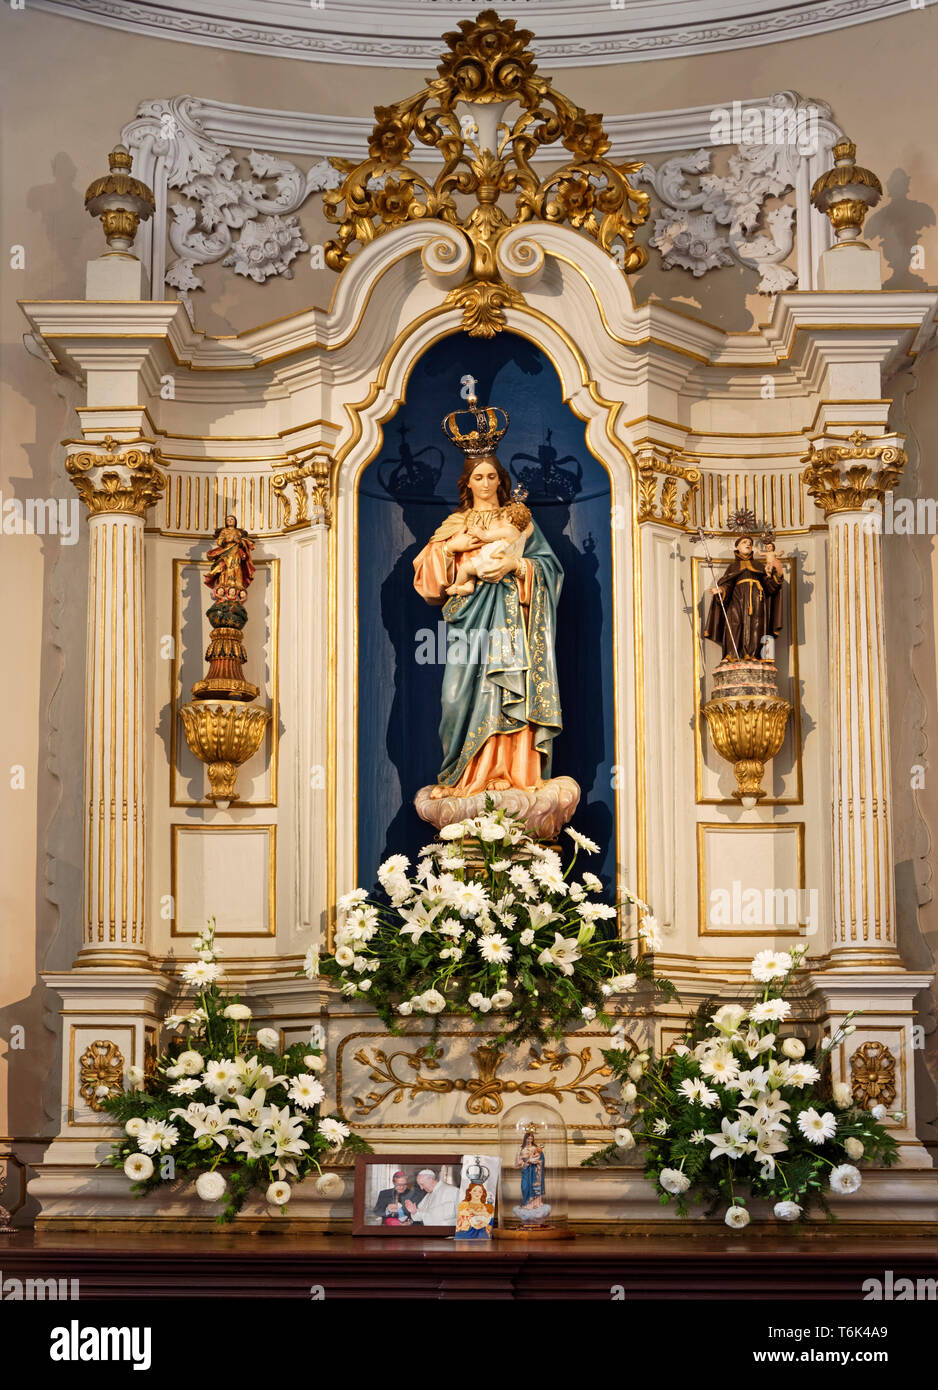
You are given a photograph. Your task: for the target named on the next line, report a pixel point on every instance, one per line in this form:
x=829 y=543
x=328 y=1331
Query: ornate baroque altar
x=501 y=238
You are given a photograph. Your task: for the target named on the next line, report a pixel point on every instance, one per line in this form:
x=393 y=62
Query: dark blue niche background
x=404 y=494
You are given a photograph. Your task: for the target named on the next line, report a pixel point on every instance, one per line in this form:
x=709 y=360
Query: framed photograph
x=406 y=1194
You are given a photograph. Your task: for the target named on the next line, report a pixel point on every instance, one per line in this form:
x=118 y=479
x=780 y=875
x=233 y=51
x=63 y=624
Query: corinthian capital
x=113 y=476
x=848 y=475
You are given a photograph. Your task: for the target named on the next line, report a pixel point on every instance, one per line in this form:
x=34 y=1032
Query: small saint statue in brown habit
x=746 y=606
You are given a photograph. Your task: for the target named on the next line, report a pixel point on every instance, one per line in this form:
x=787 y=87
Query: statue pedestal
x=545 y=810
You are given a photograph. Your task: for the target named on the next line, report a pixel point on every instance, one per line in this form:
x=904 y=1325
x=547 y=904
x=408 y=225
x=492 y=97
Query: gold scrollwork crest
x=485 y=1090
x=463 y=114
x=101 y=1064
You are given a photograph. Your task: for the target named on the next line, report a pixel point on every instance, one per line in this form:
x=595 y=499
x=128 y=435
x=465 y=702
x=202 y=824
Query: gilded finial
x=121 y=201
x=846 y=192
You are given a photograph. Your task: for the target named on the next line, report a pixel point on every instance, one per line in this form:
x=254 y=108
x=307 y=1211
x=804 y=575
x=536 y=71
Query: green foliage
x=736 y=1109
x=490 y=922
x=219 y=1100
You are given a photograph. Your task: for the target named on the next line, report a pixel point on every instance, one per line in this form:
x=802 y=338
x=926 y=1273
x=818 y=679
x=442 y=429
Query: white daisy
x=306 y=1091
x=770 y=965
x=200 y=972
x=815 y=1127
x=582 y=841
x=495 y=949
x=771 y=1010
x=334 y=1131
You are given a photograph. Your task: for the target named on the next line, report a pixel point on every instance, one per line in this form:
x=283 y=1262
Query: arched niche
x=403 y=494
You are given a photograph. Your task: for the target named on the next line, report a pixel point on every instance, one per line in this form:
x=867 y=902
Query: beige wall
x=70 y=88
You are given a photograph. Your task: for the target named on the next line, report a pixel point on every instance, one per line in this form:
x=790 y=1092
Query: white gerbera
x=348 y=900
x=845 y=1179
x=138 y=1167
x=200 y=972
x=815 y=1127
x=787 y=1211
x=582 y=841
x=210 y=1186
x=334 y=1131
x=219 y=1076
x=802 y=1074
x=311 y=963
x=770 y=965
x=696 y=1090
x=770 y=1011
x=737 y=1217
x=396 y=864
x=305 y=1091
x=648 y=931
x=157 y=1137
x=720 y=1066
x=495 y=949
x=590 y=881
x=674 y=1181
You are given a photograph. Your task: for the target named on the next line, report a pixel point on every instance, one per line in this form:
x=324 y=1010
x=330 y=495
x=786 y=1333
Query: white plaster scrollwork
x=244 y=223
x=688 y=230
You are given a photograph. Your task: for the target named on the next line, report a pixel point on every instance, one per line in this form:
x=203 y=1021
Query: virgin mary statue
x=498 y=580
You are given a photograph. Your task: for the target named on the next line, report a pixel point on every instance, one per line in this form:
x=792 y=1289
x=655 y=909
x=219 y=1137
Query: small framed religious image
x=478 y=1185
x=406 y=1194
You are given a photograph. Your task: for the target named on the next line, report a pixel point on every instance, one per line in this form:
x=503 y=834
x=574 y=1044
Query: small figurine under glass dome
x=532 y=1194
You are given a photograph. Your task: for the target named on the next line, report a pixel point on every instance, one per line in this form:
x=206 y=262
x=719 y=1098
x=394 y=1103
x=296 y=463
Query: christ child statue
x=490 y=548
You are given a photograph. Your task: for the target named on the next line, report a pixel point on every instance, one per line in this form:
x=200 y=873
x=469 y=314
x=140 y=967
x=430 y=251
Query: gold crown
x=476 y=431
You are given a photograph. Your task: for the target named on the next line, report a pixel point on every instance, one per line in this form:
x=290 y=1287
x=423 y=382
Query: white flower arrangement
x=489 y=919
x=736 y=1109
x=233 y=1116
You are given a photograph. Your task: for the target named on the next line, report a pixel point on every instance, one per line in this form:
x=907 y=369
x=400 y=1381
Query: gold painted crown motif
x=476 y=431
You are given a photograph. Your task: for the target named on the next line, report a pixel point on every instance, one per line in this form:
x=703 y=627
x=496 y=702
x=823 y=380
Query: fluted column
x=849 y=478
x=117 y=482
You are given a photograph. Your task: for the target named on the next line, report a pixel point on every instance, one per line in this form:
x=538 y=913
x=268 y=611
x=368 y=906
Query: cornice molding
x=568 y=33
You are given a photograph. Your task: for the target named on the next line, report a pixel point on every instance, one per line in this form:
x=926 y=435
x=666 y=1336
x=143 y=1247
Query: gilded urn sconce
x=747 y=719
x=223 y=729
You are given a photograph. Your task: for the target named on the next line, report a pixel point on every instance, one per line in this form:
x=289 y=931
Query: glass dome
x=532 y=1185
